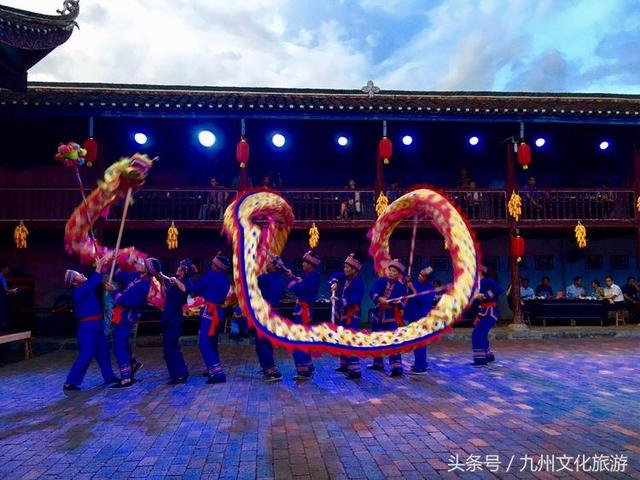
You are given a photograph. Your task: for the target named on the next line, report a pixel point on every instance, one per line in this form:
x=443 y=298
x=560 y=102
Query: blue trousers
x=209 y=347
x=264 y=350
x=487 y=318
x=122 y=348
x=302 y=360
x=395 y=361
x=171 y=332
x=92 y=343
x=420 y=359
x=351 y=363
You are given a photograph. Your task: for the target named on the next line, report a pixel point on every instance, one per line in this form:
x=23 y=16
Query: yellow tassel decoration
x=638 y=203
x=381 y=203
x=314 y=236
x=20 y=235
x=581 y=235
x=172 y=237
x=515 y=206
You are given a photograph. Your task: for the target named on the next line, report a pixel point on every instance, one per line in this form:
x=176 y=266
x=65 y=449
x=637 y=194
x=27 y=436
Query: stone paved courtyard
x=572 y=397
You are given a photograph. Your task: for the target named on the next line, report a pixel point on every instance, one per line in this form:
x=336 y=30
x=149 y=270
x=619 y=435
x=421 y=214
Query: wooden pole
x=514 y=266
x=413 y=245
x=122 y=220
x=636 y=190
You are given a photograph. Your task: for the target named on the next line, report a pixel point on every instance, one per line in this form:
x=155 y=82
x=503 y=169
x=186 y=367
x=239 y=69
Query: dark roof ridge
x=319 y=92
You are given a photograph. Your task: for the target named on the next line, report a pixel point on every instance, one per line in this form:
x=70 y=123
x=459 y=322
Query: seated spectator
x=215 y=202
x=265 y=182
x=631 y=296
x=235 y=183
x=575 y=290
x=613 y=293
x=526 y=292
x=544 y=290
x=239 y=326
x=497 y=182
x=597 y=290
x=606 y=201
x=350 y=207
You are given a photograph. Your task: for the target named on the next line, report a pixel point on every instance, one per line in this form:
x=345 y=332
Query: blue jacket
x=490 y=289
x=354 y=292
x=397 y=289
x=272 y=287
x=124 y=279
x=175 y=299
x=85 y=298
x=307 y=289
x=134 y=297
x=213 y=286
x=418 y=307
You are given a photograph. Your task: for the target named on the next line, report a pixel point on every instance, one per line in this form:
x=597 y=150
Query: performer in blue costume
x=348 y=288
x=306 y=290
x=214 y=287
x=388 y=316
x=91 y=338
x=129 y=305
x=172 y=320
x=272 y=287
x=417 y=308
x=487 y=317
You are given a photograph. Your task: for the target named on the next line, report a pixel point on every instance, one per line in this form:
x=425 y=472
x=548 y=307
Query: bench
x=15 y=337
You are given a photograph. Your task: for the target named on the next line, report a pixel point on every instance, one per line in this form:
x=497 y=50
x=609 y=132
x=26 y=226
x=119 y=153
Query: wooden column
x=514 y=267
x=636 y=190
x=379 y=185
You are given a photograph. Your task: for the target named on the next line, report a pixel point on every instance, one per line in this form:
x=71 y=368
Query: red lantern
x=517 y=247
x=91 y=146
x=242 y=152
x=524 y=155
x=385 y=149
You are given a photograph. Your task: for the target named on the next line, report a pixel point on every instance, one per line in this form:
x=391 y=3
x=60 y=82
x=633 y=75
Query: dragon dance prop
x=124 y=175
x=255 y=240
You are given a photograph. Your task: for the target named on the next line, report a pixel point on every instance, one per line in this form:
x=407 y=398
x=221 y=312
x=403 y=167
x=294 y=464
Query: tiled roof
x=34 y=31
x=97 y=99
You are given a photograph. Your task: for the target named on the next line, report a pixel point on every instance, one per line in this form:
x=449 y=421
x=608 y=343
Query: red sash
x=488 y=305
x=351 y=311
x=306 y=313
x=91 y=319
x=117 y=315
x=212 y=308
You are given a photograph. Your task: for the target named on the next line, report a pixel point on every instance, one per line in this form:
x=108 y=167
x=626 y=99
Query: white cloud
x=448 y=45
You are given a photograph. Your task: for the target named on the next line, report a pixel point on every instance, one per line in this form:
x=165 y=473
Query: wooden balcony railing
x=343 y=207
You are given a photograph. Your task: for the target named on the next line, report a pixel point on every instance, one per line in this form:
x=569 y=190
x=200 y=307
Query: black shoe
x=491 y=358
x=302 y=376
x=272 y=377
x=354 y=375
x=112 y=381
x=342 y=369
x=396 y=372
x=122 y=384
x=136 y=366
x=479 y=363
x=413 y=371
x=178 y=381
x=217 y=379
x=205 y=374
x=374 y=366
x=67 y=387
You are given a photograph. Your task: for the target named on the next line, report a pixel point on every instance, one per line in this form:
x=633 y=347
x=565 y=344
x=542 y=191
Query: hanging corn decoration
x=314 y=236
x=515 y=206
x=446 y=244
x=638 y=203
x=581 y=235
x=381 y=203
x=20 y=235
x=172 y=237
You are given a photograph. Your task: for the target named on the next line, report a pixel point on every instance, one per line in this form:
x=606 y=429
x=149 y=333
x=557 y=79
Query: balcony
x=334 y=208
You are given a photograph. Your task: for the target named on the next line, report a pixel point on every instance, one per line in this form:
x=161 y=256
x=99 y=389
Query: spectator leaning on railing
x=214 y=203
